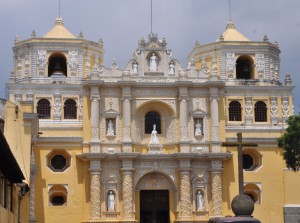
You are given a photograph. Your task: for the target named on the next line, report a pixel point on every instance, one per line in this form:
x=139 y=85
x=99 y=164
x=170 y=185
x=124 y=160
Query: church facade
x=144 y=143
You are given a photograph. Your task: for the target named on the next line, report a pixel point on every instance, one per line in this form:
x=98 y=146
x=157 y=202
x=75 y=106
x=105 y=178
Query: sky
x=122 y=23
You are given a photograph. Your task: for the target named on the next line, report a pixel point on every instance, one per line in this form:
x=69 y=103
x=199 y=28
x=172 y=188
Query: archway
x=154 y=197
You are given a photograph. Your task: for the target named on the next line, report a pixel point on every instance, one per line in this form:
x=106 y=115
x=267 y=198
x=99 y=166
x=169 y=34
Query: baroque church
x=144 y=143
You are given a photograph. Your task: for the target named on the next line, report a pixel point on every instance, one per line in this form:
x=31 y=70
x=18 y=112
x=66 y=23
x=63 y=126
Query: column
x=57 y=107
x=216 y=188
x=185 y=189
x=248 y=111
x=95 y=113
x=214 y=115
x=126 y=119
x=33 y=172
x=183 y=98
x=95 y=190
x=127 y=189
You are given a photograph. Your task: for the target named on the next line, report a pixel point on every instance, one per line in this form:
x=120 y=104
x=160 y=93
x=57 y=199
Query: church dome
x=59 y=31
x=232 y=34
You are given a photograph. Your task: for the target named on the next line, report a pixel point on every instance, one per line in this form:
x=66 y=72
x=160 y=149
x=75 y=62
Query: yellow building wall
x=73 y=177
x=269 y=175
x=291 y=186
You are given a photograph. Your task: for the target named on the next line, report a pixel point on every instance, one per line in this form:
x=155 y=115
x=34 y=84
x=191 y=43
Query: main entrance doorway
x=154 y=205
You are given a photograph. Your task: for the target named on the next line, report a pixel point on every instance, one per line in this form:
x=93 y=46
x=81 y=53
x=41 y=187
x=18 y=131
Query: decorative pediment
x=110 y=113
x=198 y=113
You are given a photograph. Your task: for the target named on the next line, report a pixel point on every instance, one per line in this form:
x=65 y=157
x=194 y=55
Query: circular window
x=248 y=162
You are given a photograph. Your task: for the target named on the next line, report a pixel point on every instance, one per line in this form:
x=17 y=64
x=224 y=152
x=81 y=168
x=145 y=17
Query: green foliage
x=290 y=143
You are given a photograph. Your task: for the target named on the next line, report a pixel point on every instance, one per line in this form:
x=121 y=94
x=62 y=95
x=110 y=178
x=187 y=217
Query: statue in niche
x=171 y=68
x=134 y=67
x=111 y=201
x=198 y=126
x=153 y=62
x=199 y=201
x=110 y=128
x=154 y=139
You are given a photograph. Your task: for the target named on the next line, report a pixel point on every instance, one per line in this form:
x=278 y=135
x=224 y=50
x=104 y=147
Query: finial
x=276 y=43
x=100 y=42
x=81 y=35
x=33 y=34
x=288 y=80
x=266 y=39
x=197 y=43
x=17 y=39
x=114 y=64
x=221 y=38
x=230 y=25
x=59 y=21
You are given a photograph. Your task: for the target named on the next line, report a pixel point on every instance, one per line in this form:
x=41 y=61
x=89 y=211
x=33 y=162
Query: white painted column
x=184 y=147
x=126 y=119
x=95 y=119
x=214 y=115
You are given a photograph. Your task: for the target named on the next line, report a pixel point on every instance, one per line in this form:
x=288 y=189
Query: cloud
x=121 y=23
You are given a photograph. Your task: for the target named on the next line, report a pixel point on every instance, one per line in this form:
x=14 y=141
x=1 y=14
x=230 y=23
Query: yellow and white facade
x=93 y=160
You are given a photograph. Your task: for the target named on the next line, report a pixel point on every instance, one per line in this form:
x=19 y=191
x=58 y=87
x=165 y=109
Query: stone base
x=291 y=213
x=154 y=148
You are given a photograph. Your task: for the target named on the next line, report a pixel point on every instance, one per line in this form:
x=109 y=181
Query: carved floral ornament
x=154 y=181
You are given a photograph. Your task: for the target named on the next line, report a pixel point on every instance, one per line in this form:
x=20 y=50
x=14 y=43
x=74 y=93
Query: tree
x=290 y=143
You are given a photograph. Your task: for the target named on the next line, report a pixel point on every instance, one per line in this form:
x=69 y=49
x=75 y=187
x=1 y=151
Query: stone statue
x=199 y=200
x=135 y=67
x=171 y=68
x=110 y=128
x=198 y=131
x=111 y=201
x=154 y=139
x=153 y=62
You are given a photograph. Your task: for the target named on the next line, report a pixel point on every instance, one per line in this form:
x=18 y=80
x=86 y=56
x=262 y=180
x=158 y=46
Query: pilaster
x=126 y=96
x=214 y=112
x=216 y=185
x=183 y=104
x=95 y=189
x=95 y=119
x=127 y=188
x=185 y=189
x=33 y=172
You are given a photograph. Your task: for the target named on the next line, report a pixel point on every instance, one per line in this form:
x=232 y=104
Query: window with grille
x=43 y=109
x=70 y=109
x=235 y=111
x=152 y=118
x=260 y=111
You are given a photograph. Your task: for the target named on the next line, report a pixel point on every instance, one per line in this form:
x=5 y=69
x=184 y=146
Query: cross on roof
x=240 y=144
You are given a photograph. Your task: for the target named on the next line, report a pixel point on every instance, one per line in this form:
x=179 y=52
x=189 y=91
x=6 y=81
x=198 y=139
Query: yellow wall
x=73 y=177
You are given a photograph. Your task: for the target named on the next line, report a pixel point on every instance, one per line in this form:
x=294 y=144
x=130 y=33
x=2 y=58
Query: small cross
x=240 y=144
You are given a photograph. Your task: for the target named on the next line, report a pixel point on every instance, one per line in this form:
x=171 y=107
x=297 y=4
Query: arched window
x=70 y=109
x=260 y=111
x=152 y=118
x=57 y=65
x=244 y=68
x=43 y=109
x=235 y=111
